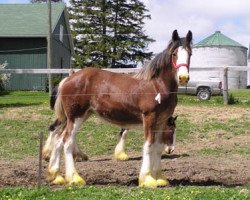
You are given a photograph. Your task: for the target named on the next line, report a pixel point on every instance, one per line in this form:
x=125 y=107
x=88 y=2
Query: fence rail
x=224 y=69
x=117 y=70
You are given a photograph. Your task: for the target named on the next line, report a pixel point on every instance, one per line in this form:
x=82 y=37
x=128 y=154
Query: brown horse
x=148 y=100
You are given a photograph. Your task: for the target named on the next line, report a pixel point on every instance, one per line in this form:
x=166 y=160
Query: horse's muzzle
x=183 y=79
x=169 y=149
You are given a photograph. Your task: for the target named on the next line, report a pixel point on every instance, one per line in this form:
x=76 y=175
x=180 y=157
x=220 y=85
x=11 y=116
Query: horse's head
x=180 y=51
x=169 y=135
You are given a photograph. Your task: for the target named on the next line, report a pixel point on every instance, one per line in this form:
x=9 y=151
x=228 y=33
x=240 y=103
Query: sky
x=202 y=17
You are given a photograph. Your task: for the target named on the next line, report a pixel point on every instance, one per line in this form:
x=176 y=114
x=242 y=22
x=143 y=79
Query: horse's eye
x=174 y=54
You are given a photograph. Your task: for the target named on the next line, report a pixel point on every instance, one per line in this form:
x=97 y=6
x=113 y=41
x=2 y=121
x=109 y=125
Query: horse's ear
x=175 y=36
x=175 y=118
x=189 y=37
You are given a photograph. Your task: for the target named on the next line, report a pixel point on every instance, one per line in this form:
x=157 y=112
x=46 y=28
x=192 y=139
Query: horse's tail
x=53 y=97
x=58 y=107
x=55 y=100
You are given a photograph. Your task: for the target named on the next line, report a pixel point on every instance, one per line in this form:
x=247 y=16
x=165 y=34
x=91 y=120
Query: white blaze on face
x=170 y=148
x=182 y=72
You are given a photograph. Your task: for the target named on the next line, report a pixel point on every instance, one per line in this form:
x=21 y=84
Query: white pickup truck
x=203 y=89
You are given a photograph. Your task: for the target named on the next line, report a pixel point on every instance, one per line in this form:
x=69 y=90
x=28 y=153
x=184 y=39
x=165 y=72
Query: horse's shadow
x=137 y=158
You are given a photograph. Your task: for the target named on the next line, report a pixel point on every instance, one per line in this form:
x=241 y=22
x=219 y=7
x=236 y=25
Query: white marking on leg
x=158 y=147
x=54 y=162
x=68 y=150
x=120 y=147
x=49 y=144
x=146 y=160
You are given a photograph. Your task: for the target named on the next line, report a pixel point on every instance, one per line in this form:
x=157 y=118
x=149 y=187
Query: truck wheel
x=203 y=94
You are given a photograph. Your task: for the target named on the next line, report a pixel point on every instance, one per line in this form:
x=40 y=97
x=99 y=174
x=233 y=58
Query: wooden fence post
x=39 y=177
x=225 y=85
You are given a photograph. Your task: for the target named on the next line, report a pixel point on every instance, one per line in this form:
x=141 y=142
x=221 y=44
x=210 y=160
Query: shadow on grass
x=16 y=105
x=3 y=93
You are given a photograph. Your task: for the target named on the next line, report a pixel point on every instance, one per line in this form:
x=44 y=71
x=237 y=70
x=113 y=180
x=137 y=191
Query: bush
x=4 y=78
x=232 y=100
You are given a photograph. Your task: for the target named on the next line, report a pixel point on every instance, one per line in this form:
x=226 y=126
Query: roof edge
x=243 y=47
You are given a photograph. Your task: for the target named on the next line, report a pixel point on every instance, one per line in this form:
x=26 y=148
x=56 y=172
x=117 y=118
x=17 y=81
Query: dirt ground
x=178 y=168
x=184 y=166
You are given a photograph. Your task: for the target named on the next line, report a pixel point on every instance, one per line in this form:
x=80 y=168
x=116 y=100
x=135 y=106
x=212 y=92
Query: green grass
x=242 y=97
x=219 y=151
x=133 y=193
x=243 y=94
x=31 y=115
x=23 y=98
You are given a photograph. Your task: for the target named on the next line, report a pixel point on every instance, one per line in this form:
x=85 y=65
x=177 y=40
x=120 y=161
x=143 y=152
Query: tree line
x=108 y=33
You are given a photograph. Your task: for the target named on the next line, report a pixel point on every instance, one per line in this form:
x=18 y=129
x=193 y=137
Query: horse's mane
x=161 y=61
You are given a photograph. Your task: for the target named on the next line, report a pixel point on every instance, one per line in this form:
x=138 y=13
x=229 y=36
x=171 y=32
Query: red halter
x=179 y=65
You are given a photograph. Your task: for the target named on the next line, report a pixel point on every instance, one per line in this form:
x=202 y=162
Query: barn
x=218 y=50
x=23 y=41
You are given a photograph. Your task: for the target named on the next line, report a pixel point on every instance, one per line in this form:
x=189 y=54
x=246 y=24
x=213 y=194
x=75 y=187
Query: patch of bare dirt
x=178 y=168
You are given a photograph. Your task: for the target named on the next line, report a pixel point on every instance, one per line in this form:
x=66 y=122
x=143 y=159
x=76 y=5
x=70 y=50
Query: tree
x=109 y=33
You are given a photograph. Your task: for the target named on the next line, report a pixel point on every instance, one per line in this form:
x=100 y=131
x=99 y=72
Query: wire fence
x=224 y=70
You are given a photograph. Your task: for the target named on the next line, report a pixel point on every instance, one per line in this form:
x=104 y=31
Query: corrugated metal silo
x=219 y=50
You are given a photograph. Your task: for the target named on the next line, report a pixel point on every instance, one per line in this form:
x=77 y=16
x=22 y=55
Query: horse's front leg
x=150 y=174
x=156 y=161
x=120 y=147
x=71 y=175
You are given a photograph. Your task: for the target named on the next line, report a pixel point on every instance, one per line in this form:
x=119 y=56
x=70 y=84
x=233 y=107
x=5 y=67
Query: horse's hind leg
x=120 y=147
x=54 y=162
x=50 y=142
x=78 y=155
x=71 y=174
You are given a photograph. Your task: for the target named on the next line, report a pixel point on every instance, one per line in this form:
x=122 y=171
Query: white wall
x=248 y=74
x=220 y=56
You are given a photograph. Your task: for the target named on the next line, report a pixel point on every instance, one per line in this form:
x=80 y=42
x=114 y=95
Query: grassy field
x=23 y=115
x=133 y=193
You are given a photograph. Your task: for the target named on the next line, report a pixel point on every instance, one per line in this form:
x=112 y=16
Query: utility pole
x=49 y=46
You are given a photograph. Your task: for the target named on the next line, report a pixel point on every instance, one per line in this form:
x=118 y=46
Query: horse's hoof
x=148 y=182
x=59 y=180
x=55 y=178
x=76 y=180
x=161 y=182
x=121 y=156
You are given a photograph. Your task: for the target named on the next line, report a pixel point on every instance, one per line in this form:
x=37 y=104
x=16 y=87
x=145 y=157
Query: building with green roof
x=23 y=41
x=218 y=40
x=218 y=50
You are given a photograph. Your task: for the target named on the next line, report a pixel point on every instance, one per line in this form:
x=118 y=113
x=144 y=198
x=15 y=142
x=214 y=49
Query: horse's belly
x=121 y=117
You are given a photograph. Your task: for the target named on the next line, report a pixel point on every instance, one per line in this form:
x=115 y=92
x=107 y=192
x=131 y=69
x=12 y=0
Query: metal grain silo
x=219 y=50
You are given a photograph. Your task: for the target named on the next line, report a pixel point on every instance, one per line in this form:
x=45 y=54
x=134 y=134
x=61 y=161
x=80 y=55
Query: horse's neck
x=166 y=81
